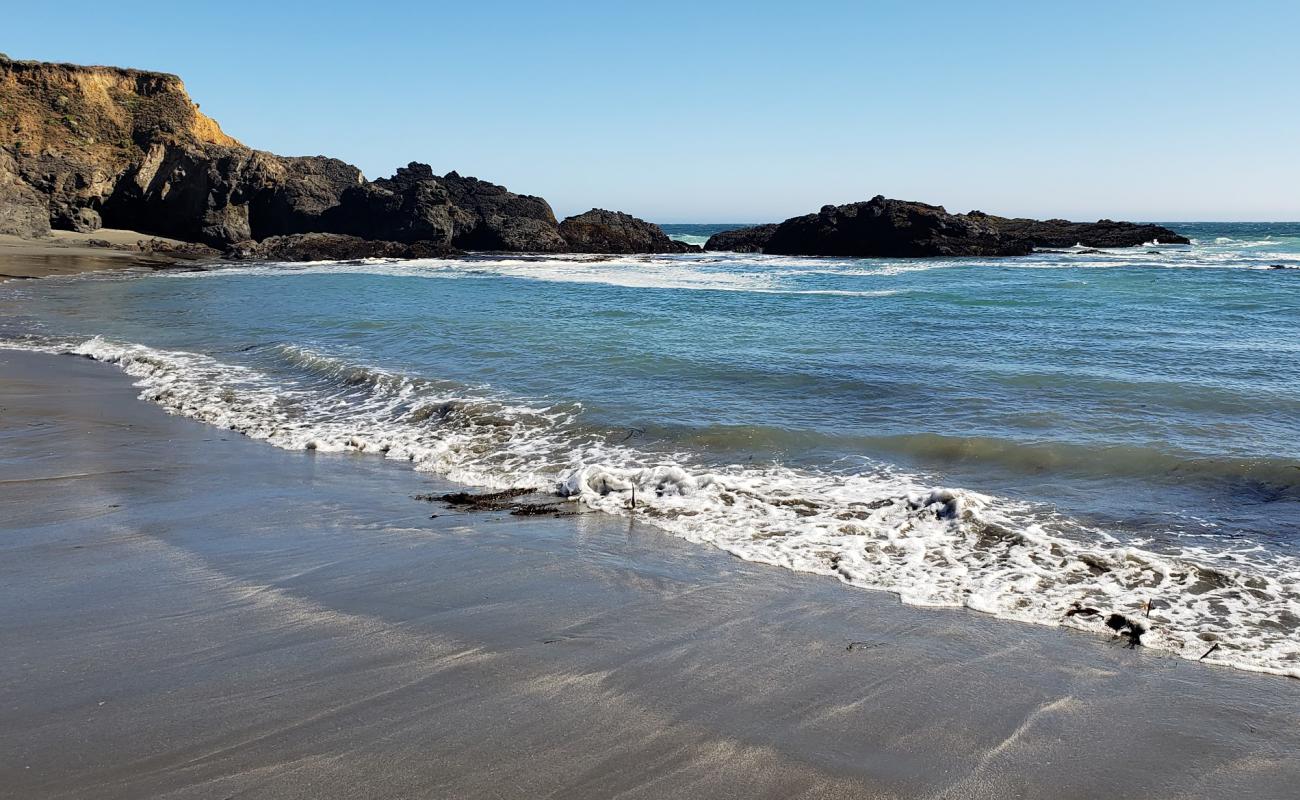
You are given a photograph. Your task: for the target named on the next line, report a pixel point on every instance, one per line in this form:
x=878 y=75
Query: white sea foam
x=688 y=238
x=629 y=271
x=710 y=274
x=876 y=529
x=763 y=273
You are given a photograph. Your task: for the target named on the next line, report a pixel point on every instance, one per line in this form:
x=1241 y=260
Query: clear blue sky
x=747 y=111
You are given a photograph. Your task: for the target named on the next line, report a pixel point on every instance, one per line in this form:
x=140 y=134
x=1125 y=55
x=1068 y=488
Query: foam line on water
x=877 y=528
x=760 y=273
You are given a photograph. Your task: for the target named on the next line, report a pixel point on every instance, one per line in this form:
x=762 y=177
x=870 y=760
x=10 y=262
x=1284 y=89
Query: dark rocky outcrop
x=298 y=191
x=890 y=228
x=742 y=240
x=161 y=249
x=601 y=231
x=85 y=147
x=898 y=228
x=499 y=219
x=467 y=213
x=1063 y=233
x=220 y=195
x=330 y=247
x=180 y=251
x=92 y=146
x=408 y=207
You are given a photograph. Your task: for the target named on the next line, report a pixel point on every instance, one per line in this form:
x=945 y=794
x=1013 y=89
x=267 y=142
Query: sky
x=747 y=111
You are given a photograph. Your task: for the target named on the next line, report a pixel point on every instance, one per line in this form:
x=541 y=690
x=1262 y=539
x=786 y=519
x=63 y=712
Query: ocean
x=699 y=234
x=1052 y=439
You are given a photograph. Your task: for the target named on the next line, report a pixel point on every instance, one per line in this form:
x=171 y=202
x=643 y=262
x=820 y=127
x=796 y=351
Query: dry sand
x=185 y=613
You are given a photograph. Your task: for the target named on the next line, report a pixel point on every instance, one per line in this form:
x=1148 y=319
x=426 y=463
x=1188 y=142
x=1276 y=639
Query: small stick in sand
x=1207 y=652
x=632 y=505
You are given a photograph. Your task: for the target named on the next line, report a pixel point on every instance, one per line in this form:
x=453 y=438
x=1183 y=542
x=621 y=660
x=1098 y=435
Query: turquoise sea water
x=699 y=234
x=1111 y=429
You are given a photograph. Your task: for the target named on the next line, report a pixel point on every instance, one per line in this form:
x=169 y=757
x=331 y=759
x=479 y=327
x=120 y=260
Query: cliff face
x=129 y=149
x=82 y=147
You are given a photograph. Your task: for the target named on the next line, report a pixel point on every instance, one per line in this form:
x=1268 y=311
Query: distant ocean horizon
x=1052 y=439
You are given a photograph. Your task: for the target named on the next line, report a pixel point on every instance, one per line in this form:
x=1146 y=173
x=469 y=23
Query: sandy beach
x=71 y=253
x=189 y=613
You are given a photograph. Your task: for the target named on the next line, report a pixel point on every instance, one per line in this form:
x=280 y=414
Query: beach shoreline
x=72 y=253
x=191 y=613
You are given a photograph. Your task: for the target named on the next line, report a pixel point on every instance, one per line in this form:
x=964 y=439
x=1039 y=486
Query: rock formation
x=415 y=205
x=24 y=211
x=129 y=149
x=82 y=147
x=742 y=240
x=1063 y=233
x=901 y=229
x=329 y=247
x=601 y=231
x=502 y=220
x=890 y=228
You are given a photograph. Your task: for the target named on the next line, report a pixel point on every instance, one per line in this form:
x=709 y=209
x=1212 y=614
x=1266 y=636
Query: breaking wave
x=876 y=528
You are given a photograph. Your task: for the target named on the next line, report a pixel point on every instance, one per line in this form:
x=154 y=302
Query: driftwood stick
x=1207 y=652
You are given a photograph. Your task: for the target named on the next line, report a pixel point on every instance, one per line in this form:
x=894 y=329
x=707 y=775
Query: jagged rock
x=168 y=249
x=24 y=211
x=330 y=247
x=408 y=207
x=499 y=219
x=84 y=220
x=601 y=231
x=183 y=251
x=132 y=148
x=466 y=213
x=298 y=191
x=125 y=148
x=890 y=228
x=1063 y=233
x=186 y=191
x=219 y=195
x=742 y=240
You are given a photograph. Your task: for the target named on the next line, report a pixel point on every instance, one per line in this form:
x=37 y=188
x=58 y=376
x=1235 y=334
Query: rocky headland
x=83 y=147
x=88 y=147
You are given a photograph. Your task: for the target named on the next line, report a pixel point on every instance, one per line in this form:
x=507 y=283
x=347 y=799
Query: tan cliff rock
x=130 y=149
x=85 y=146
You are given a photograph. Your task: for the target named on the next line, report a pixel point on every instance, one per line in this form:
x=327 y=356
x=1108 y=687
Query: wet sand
x=185 y=613
x=70 y=253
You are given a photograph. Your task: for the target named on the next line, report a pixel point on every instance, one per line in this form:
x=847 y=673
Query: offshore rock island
x=85 y=147
x=882 y=227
